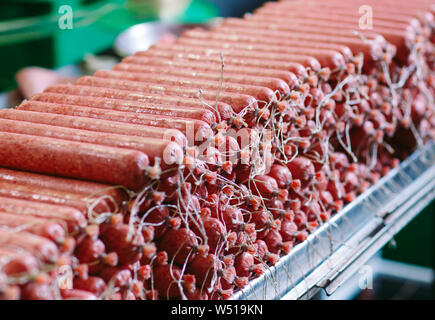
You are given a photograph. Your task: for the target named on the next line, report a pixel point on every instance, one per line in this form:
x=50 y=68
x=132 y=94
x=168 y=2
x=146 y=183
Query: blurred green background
x=30 y=34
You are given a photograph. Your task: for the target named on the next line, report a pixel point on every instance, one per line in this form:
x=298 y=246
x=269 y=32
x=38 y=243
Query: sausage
x=51 y=196
x=259 y=93
x=224 y=110
x=60 y=184
x=40 y=247
x=395 y=37
x=281 y=174
x=264 y=185
x=179 y=244
x=352 y=42
x=75 y=294
x=394 y=33
x=116 y=239
x=74 y=159
x=294 y=67
x=342 y=14
x=214 y=230
x=303 y=169
x=326 y=57
x=165 y=280
x=216 y=68
x=236 y=101
x=402 y=11
x=121 y=277
x=42 y=227
x=205 y=268
x=129 y=106
x=278 y=59
x=189 y=71
x=95 y=125
x=15 y=261
x=169 y=152
x=201 y=129
x=73 y=217
x=215 y=34
x=244 y=263
x=37 y=291
x=89 y=250
x=93 y=284
x=324 y=19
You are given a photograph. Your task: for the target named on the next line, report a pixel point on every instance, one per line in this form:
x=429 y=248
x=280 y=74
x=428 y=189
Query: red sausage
x=67 y=185
x=15 y=261
x=294 y=67
x=303 y=169
x=352 y=42
x=205 y=268
x=116 y=239
x=223 y=109
x=340 y=15
x=169 y=152
x=75 y=294
x=165 y=280
x=214 y=68
x=395 y=37
x=273 y=240
x=259 y=93
x=121 y=277
x=42 y=227
x=274 y=59
x=73 y=159
x=402 y=12
x=89 y=250
x=326 y=57
x=288 y=230
x=214 y=230
x=243 y=264
x=95 y=125
x=262 y=220
x=154 y=108
x=201 y=129
x=179 y=244
x=73 y=217
x=52 y=196
x=232 y=217
x=215 y=34
x=392 y=33
x=36 y=291
x=236 y=101
x=40 y=247
x=281 y=174
x=190 y=71
x=264 y=185
x=93 y=284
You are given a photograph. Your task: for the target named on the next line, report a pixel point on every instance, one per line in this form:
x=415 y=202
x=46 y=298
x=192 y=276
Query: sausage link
x=73 y=217
x=201 y=129
x=40 y=247
x=98 y=125
x=74 y=159
x=42 y=227
x=169 y=152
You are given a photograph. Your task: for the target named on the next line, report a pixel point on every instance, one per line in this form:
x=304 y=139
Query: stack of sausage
x=208 y=158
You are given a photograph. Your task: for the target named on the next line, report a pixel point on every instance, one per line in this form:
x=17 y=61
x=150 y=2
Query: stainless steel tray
x=338 y=248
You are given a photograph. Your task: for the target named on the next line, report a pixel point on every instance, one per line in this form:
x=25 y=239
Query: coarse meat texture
x=191 y=168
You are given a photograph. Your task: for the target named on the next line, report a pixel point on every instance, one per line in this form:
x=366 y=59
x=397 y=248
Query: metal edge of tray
x=330 y=250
